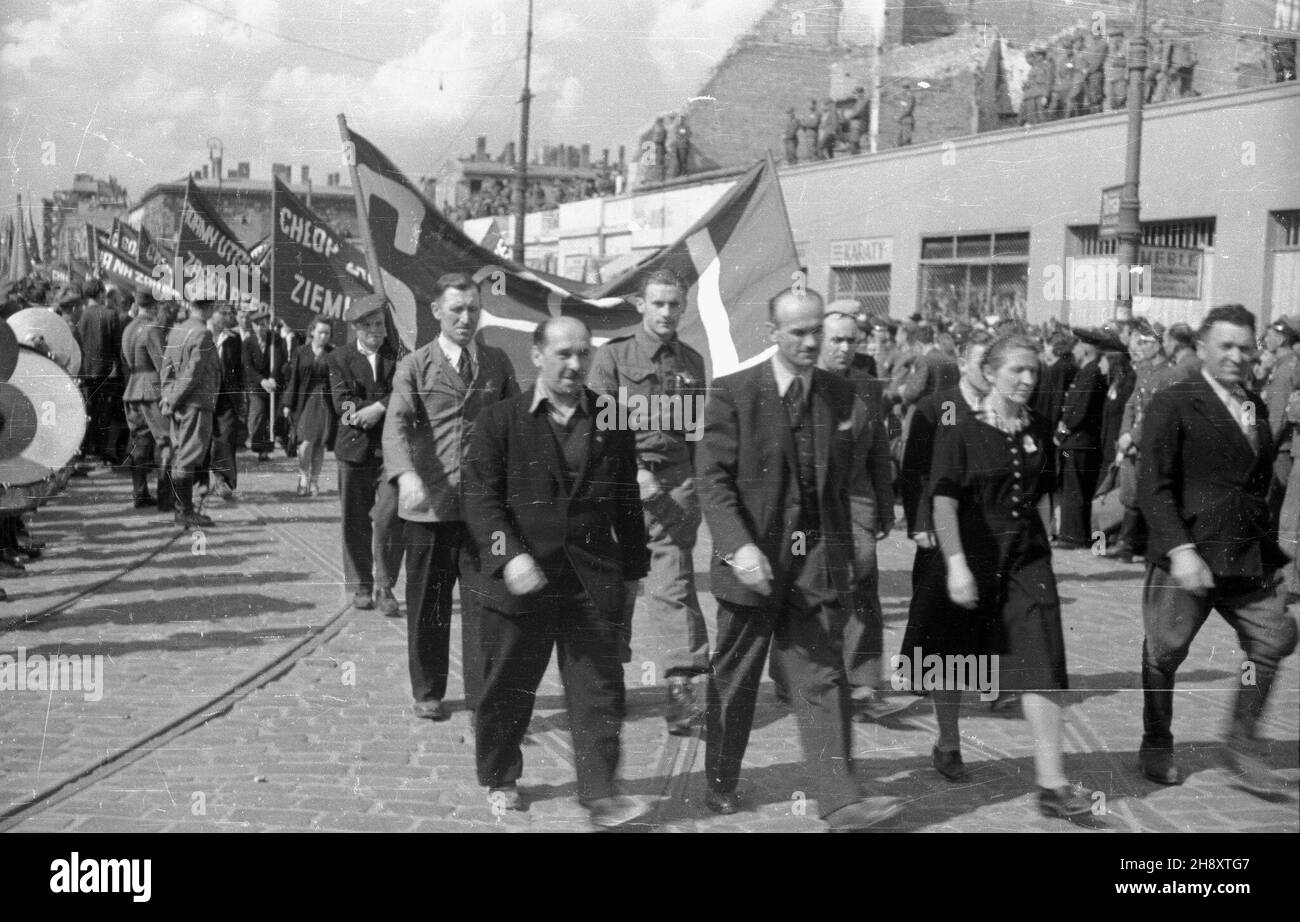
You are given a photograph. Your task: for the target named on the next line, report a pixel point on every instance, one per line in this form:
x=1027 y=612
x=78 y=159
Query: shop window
x=975 y=275
x=869 y=285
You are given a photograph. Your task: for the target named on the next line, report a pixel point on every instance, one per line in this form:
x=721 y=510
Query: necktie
x=463 y=367
x=794 y=401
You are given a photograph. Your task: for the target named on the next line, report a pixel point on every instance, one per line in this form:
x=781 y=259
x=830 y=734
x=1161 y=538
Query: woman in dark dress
x=308 y=404
x=991 y=480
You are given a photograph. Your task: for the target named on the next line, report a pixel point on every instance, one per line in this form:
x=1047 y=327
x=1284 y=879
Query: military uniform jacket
x=143 y=343
x=641 y=365
x=191 y=374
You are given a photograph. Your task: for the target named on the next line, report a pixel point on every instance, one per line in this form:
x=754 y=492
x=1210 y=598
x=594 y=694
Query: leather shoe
x=1069 y=800
x=430 y=710
x=1158 y=766
x=866 y=813
x=506 y=797
x=1253 y=774
x=722 y=802
x=363 y=600
x=948 y=763
x=388 y=606
x=681 y=706
x=192 y=519
x=144 y=502
x=616 y=811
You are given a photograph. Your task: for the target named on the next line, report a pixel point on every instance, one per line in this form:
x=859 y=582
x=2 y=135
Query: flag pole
x=275 y=181
x=368 y=238
x=177 y=259
x=780 y=195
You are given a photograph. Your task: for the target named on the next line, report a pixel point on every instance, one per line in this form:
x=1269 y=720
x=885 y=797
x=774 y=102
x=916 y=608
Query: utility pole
x=521 y=164
x=1128 y=231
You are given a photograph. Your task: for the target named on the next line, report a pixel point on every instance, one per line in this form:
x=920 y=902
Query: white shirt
x=785 y=377
x=1237 y=407
x=371 y=357
x=452 y=351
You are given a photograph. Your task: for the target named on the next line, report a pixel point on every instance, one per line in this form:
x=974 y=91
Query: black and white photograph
x=650 y=416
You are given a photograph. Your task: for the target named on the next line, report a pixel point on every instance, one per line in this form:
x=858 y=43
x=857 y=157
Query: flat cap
x=363 y=307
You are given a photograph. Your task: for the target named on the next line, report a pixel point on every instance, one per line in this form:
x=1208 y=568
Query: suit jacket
x=143 y=343
x=1084 y=404
x=430 y=421
x=1200 y=483
x=100 y=334
x=1053 y=384
x=230 y=360
x=516 y=503
x=352 y=381
x=744 y=465
x=190 y=373
x=257 y=363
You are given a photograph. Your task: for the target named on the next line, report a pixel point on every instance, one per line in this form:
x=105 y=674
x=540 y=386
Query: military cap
x=144 y=298
x=1142 y=327
x=362 y=308
x=1101 y=339
x=1287 y=326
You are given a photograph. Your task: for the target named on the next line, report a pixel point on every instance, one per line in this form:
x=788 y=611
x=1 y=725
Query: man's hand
x=752 y=569
x=924 y=540
x=165 y=407
x=649 y=484
x=368 y=417
x=269 y=385
x=523 y=576
x=961 y=583
x=883 y=527
x=1125 y=441
x=411 y=494
x=1190 y=572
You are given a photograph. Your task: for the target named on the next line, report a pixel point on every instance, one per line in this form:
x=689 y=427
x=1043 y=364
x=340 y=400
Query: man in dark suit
x=775 y=467
x=99 y=331
x=438 y=392
x=225 y=416
x=1204 y=473
x=1078 y=434
x=190 y=379
x=143 y=342
x=361 y=380
x=265 y=361
x=872 y=502
x=554 y=511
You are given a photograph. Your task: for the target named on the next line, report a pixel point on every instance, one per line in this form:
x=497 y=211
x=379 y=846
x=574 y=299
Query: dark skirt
x=1018 y=618
x=316 y=421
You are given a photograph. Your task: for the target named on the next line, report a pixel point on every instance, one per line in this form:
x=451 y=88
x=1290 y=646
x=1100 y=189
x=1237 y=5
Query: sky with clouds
x=135 y=88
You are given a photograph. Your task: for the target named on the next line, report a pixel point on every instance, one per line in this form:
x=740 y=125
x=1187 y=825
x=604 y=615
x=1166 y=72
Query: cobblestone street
x=239 y=694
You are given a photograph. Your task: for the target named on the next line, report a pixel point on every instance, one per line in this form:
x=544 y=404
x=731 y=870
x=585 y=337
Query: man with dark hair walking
x=1206 y=463
x=661 y=372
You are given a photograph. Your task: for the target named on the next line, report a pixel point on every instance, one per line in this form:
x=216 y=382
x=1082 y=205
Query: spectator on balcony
x=790 y=136
x=1117 y=72
x=906 y=117
x=859 y=119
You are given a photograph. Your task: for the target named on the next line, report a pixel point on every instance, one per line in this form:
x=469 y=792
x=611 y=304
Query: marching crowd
x=994 y=436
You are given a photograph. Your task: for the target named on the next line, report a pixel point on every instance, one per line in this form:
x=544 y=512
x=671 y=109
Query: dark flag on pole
x=214 y=262
x=317 y=272
x=734 y=259
x=415 y=244
x=117 y=265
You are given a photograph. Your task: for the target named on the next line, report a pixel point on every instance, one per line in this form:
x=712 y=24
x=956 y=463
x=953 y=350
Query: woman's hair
x=1004 y=345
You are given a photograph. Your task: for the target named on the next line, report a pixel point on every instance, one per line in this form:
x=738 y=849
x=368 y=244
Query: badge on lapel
x=1030 y=446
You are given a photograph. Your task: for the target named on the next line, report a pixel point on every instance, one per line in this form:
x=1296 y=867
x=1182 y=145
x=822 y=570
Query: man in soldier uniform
x=683 y=146
x=1076 y=94
x=1095 y=48
x=190 y=378
x=659 y=138
x=859 y=119
x=828 y=130
x=1283 y=381
x=142 y=356
x=654 y=364
x=790 y=136
x=1117 y=72
x=1038 y=89
x=1157 y=60
x=1062 y=71
x=906 y=117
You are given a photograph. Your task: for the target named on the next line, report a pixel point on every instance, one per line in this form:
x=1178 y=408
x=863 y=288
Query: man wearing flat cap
x=361 y=380
x=1149 y=362
x=1283 y=380
x=1078 y=435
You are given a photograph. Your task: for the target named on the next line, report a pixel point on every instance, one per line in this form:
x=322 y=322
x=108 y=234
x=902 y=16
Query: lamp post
x=1128 y=231
x=521 y=164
